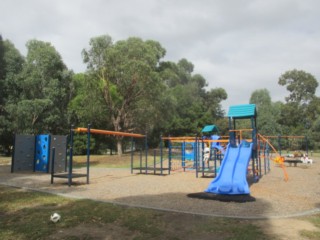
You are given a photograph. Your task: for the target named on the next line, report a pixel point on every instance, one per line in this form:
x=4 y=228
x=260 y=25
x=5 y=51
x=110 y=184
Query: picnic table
x=293 y=161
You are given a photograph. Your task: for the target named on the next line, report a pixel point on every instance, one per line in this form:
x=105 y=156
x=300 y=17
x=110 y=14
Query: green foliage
x=128 y=87
x=190 y=106
x=80 y=144
x=11 y=63
x=301 y=85
x=298 y=116
x=44 y=86
x=87 y=103
x=126 y=70
x=268 y=112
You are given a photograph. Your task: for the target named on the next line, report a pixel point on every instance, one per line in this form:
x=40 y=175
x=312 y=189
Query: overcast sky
x=238 y=45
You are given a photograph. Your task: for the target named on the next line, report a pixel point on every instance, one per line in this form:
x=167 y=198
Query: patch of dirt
x=285 y=228
x=92 y=231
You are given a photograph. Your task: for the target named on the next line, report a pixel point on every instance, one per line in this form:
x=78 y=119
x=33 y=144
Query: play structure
x=201 y=154
x=235 y=170
x=70 y=174
x=232 y=178
x=143 y=165
x=225 y=158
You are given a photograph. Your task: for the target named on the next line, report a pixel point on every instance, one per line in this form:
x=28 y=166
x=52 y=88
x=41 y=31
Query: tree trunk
x=119 y=146
x=117 y=128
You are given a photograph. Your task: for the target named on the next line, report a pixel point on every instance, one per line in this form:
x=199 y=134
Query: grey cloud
x=239 y=45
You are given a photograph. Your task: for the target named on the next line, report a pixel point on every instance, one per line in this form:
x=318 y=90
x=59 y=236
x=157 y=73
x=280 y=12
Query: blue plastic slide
x=232 y=178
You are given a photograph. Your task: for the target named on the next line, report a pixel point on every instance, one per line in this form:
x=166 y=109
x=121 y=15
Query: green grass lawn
x=26 y=215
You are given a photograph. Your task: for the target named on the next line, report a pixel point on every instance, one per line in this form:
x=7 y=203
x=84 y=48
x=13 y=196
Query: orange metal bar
x=240 y=130
x=284 y=136
x=106 y=132
x=190 y=140
x=179 y=138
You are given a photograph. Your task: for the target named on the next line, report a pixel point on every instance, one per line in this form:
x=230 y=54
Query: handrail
x=279 y=159
x=106 y=132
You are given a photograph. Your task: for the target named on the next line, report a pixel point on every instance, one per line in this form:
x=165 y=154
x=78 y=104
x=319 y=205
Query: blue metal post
x=146 y=153
x=140 y=161
x=183 y=155
x=169 y=152
x=132 y=155
x=88 y=152
x=70 y=157
x=196 y=155
x=52 y=164
x=154 y=162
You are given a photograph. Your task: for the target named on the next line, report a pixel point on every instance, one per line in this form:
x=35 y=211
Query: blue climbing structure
x=42 y=153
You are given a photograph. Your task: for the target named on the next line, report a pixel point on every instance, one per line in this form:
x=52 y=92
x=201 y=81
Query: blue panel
x=189 y=150
x=42 y=153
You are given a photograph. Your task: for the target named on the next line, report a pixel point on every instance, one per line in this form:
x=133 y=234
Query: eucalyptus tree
x=43 y=86
x=87 y=106
x=301 y=85
x=296 y=113
x=311 y=122
x=87 y=103
x=192 y=105
x=126 y=75
x=11 y=62
x=267 y=111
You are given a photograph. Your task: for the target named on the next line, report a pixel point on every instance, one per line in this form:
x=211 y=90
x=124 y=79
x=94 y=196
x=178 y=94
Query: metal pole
x=146 y=147
x=70 y=168
x=88 y=152
x=132 y=155
x=202 y=155
x=140 y=161
x=52 y=164
x=13 y=154
x=306 y=139
x=169 y=152
x=196 y=155
x=215 y=154
x=183 y=155
x=70 y=157
x=279 y=143
x=154 y=162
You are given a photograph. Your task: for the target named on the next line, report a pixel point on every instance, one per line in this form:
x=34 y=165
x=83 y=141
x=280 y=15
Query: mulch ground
x=182 y=191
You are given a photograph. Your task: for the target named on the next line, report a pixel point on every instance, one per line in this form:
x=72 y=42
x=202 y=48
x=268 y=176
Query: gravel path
x=275 y=198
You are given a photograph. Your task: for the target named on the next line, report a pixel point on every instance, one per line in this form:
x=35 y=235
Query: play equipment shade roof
x=210 y=128
x=242 y=111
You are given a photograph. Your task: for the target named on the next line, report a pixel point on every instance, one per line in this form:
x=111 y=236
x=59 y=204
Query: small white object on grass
x=55 y=217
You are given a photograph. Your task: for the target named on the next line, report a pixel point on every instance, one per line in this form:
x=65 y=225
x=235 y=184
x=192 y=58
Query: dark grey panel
x=23 y=155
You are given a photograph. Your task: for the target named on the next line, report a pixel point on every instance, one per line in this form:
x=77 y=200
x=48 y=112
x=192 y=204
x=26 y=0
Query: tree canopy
x=128 y=86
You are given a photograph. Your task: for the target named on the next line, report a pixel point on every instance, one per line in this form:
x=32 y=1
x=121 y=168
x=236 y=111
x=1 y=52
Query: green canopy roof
x=242 y=111
x=210 y=128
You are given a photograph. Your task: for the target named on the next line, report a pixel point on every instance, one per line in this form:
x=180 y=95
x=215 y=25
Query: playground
x=251 y=169
x=277 y=189
x=273 y=196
